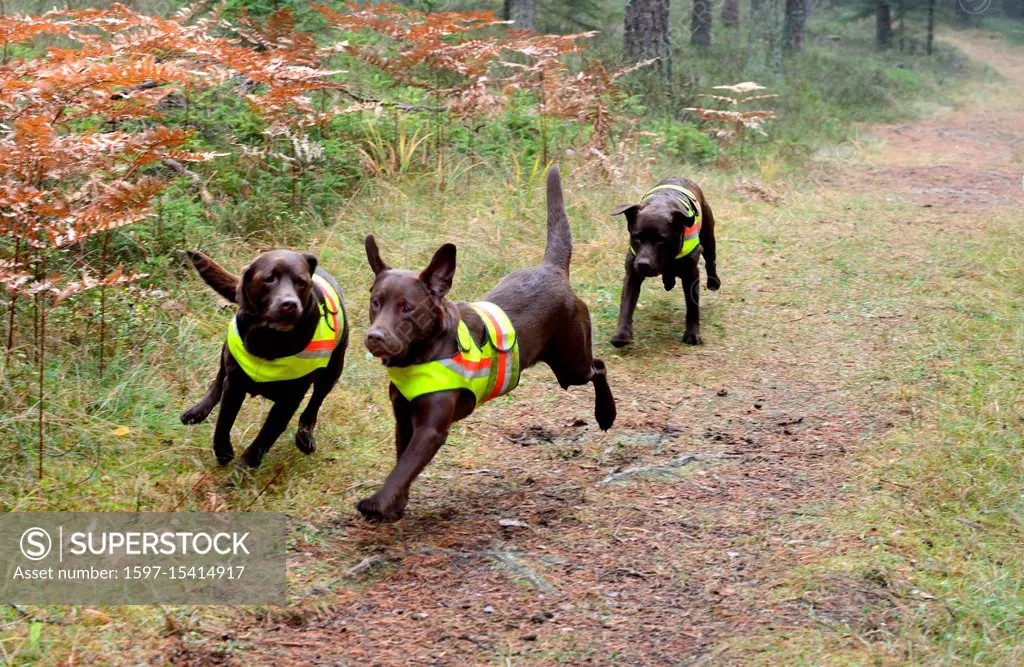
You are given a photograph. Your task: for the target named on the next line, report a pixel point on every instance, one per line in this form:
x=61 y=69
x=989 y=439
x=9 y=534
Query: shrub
x=688 y=142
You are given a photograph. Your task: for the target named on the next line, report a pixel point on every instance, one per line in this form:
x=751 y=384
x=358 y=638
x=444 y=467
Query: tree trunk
x=520 y=12
x=796 y=20
x=764 y=59
x=883 y=25
x=931 y=25
x=731 y=13
x=901 y=9
x=774 y=26
x=647 y=33
x=700 y=24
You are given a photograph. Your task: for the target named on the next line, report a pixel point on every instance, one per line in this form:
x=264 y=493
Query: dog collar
x=691 y=204
x=316 y=355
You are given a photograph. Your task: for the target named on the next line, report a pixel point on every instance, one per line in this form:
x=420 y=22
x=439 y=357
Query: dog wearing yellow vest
x=445 y=359
x=290 y=333
x=669 y=230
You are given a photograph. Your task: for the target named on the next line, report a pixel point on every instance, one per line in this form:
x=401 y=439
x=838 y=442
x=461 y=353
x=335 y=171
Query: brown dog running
x=290 y=332
x=672 y=213
x=412 y=325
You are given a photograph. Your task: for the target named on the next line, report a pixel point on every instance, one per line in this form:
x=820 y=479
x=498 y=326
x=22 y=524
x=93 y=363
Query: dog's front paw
x=252 y=457
x=224 y=453
x=714 y=282
x=197 y=414
x=622 y=339
x=304 y=440
x=693 y=338
x=375 y=511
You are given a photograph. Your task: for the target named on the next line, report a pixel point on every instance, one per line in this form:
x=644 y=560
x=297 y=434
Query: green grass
x=932 y=512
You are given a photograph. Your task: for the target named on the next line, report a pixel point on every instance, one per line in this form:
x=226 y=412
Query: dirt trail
x=964 y=160
x=662 y=542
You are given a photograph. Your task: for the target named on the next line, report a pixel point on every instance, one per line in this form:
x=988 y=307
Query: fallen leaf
x=121 y=431
x=97 y=615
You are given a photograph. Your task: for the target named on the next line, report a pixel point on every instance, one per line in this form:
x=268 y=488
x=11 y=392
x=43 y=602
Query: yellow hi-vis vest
x=690 y=202
x=487 y=371
x=316 y=355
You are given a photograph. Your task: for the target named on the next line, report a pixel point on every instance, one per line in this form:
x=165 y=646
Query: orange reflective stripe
x=499 y=380
x=333 y=310
x=470 y=370
x=469 y=365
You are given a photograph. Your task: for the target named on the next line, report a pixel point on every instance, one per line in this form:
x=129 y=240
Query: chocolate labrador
x=413 y=326
x=290 y=332
x=669 y=230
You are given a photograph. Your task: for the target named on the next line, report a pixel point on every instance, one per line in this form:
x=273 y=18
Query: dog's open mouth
x=384 y=356
x=281 y=325
x=381 y=351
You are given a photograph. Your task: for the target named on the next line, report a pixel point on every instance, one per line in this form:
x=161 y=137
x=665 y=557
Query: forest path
x=690 y=532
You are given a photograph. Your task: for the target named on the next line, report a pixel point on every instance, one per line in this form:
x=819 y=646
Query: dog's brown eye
x=375 y=303
x=407 y=308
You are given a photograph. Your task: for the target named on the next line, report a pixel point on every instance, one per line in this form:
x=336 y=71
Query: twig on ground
x=971 y=524
x=277 y=473
x=553 y=493
x=364 y=565
x=36 y=619
x=191 y=491
x=504 y=557
x=512 y=563
x=677 y=462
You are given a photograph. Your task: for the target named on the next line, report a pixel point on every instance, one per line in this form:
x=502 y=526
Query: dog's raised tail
x=559 y=248
x=219 y=279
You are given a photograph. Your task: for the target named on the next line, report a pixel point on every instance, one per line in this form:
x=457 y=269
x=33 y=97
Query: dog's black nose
x=375 y=340
x=289 y=307
x=644 y=267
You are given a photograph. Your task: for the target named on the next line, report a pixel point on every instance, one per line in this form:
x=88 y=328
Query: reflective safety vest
x=487 y=371
x=316 y=355
x=691 y=204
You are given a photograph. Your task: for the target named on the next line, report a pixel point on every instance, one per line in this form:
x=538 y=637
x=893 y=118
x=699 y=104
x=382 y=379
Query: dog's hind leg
x=571 y=358
x=198 y=413
x=277 y=421
x=707 y=242
x=322 y=386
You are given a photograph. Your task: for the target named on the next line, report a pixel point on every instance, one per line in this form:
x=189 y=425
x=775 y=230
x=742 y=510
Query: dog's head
x=407 y=308
x=277 y=287
x=656 y=228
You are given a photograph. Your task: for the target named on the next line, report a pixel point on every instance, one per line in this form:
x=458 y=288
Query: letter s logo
x=35 y=544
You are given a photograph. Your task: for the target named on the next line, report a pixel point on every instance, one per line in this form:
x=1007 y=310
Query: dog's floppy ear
x=373 y=256
x=439 y=273
x=680 y=221
x=312 y=261
x=216 y=276
x=242 y=295
x=630 y=210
